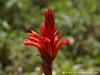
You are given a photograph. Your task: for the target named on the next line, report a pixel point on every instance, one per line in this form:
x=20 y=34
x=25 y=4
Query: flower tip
x=31 y=30
x=29 y=34
x=25 y=42
x=65 y=42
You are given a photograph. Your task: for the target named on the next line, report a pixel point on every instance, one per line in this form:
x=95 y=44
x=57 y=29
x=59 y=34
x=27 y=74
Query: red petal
x=59 y=45
x=64 y=42
x=48 y=46
x=33 y=39
x=42 y=30
x=28 y=42
x=47 y=40
x=36 y=35
x=30 y=34
x=57 y=39
x=55 y=33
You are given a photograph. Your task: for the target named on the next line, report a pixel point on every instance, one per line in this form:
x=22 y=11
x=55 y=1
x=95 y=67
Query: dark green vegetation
x=79 y=20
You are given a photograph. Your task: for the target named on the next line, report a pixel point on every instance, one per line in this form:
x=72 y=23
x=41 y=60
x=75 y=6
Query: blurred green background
x=79 y=20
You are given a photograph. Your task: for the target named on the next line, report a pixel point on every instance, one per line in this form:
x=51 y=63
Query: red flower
x=48 y=43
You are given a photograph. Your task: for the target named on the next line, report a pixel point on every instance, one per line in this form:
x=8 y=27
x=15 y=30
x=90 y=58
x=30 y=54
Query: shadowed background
x=79 y=20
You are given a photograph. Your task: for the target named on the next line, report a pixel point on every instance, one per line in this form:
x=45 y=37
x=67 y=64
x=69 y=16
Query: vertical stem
x=46 y=66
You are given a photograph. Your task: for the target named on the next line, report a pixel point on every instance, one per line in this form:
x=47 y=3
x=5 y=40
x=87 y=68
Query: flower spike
x=48 y=43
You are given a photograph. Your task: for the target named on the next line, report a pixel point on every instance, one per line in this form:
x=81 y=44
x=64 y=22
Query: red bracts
x=48 y=42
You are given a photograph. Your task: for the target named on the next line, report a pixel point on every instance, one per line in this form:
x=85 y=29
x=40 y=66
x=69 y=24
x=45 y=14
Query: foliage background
x=79 y=20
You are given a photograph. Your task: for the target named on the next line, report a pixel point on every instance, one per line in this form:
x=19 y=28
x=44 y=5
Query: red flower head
x=48 y=43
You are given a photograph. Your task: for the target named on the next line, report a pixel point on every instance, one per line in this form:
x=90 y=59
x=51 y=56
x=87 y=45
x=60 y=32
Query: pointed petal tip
x=29 y=34
x=33 y=32
x=25 y=43
x=65 y=42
